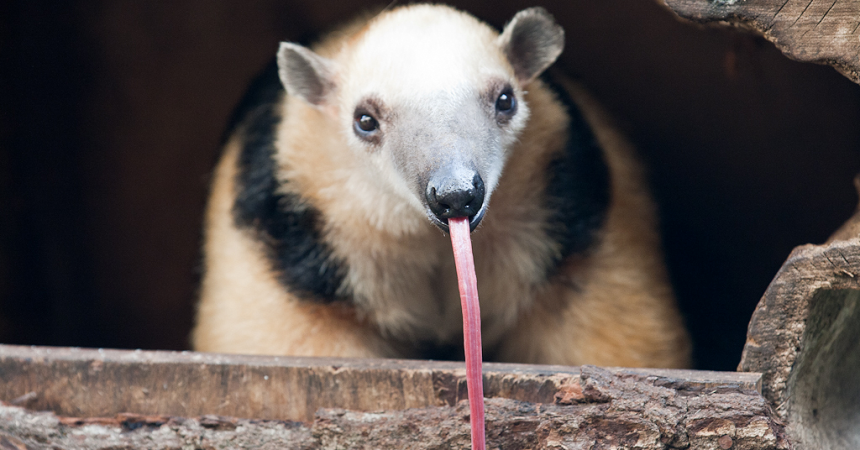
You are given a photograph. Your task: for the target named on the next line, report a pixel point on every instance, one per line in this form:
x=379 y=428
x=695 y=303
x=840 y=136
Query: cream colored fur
x=613 y=307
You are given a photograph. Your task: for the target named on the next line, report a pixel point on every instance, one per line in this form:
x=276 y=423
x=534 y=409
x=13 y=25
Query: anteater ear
x=531 y=41
x=305 y=74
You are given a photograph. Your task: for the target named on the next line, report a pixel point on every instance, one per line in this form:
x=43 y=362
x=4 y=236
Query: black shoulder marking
x=578 y=191
x=287 y=225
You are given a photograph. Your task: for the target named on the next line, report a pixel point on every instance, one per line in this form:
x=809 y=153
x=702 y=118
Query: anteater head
x=432 y=96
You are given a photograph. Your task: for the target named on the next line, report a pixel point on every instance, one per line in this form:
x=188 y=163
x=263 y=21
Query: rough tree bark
x=818 y=31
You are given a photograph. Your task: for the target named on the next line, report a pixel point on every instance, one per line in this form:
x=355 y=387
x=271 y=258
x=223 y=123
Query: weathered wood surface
x=804 y=337
x=22 y=429
x=818 y=31
x=89 y=383
x=602 y=409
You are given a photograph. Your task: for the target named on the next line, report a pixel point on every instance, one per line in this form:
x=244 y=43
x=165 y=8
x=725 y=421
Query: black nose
x=455 y=196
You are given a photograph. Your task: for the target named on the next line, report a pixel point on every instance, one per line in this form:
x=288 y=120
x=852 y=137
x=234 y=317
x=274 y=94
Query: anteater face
x=433 y=97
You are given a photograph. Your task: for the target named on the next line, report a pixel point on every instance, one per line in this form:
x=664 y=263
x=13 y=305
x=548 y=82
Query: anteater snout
x=455 y=195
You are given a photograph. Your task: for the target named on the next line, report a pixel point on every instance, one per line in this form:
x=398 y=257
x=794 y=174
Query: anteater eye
x=365 y=124
x=506 y=103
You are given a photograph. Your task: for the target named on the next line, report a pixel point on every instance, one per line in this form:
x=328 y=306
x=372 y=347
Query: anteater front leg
x=281 y=326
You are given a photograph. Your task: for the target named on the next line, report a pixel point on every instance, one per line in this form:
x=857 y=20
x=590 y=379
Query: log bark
x=600 y=409
x=817 y=31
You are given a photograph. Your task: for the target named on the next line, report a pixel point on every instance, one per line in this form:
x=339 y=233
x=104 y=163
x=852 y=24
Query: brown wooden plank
x=90 y=383
x=818 y=31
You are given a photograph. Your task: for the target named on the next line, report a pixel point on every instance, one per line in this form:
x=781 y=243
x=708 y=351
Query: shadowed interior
x=825 y=384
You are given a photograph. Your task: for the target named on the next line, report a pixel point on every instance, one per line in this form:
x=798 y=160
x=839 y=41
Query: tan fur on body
x=610 y=306
x=616 y=305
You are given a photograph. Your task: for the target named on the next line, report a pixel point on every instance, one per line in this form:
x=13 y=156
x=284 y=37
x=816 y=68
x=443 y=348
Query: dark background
x=111 y=114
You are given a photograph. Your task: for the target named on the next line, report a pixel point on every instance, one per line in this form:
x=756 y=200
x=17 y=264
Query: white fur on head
x=532 y=41
x=429 y=76
x=305 y=74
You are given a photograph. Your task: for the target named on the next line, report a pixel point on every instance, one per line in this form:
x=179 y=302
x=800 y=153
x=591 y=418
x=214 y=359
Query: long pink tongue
x=462 y=243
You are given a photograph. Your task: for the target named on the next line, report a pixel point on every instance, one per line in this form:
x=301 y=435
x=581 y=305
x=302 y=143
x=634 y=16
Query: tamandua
x=325 y=230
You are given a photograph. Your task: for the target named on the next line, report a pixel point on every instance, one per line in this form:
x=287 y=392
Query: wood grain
x=90 y=383
x=817 y=31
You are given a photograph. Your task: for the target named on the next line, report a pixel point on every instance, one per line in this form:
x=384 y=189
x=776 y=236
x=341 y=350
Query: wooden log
x=611 y=411
x=804 y=337
x=569 y=407
x=818 y=31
